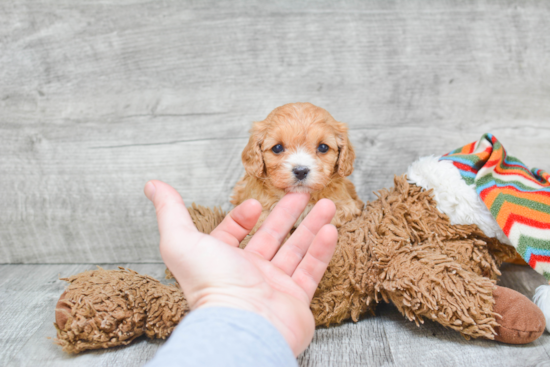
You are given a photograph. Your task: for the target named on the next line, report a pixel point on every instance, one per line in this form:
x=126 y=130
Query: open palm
x=213 y=271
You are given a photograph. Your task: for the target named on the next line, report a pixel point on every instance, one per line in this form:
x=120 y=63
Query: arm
x=217 y=336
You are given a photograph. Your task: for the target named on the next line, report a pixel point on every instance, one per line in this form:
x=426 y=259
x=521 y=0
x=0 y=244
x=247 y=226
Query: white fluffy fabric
x=542 y=300
x=454 y=196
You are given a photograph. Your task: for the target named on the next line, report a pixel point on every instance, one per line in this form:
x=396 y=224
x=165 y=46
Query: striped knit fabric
x=518 y=198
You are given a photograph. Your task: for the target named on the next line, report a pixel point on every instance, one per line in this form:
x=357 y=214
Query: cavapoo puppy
x=299 y=147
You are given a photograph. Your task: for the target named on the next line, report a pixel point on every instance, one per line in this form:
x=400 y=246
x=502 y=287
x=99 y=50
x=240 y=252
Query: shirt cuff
x=222 y=336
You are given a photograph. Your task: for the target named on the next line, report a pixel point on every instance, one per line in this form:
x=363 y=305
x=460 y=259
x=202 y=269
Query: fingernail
x=150 y=190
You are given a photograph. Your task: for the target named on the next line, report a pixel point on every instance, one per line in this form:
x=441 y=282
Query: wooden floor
x=28 y=294
x=98 y=97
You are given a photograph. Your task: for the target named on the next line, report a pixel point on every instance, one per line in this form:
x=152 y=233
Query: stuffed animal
x=431 y=244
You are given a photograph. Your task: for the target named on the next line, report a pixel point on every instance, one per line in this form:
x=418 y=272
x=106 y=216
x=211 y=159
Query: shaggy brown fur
x=107 y=308
x=400 y=248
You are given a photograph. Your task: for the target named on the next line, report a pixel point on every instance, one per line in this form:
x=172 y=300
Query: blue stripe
x=536 y=251
x=467 y=174
x=479 y=189
x=458 y=159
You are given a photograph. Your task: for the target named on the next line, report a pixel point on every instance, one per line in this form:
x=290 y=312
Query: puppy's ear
x=346 y=156
x=252 y=154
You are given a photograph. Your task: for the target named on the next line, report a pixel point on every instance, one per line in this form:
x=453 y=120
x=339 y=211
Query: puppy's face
x=299 y=148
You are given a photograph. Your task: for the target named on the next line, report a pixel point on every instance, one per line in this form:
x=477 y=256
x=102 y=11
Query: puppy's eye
x=322 y=148
x=277 y=149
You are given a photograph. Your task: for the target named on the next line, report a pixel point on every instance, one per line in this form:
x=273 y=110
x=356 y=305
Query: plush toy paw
x=521 y=321
x=107 y=308
x=62 y=311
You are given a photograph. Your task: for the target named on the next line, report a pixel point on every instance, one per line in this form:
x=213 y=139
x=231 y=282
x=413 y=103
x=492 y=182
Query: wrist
x=298 y=342
x=229 y=302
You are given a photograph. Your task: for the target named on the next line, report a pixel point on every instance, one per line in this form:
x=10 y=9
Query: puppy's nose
x=300 y=172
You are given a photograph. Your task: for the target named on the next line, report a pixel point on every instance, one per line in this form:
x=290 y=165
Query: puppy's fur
x=300 y=128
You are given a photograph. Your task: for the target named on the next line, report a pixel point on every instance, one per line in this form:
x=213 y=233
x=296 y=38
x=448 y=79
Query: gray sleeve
x=220 y=336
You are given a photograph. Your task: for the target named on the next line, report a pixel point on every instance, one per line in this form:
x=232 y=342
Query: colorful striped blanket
x=518 y=198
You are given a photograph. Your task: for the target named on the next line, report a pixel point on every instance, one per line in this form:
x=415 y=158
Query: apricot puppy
x=299 y=147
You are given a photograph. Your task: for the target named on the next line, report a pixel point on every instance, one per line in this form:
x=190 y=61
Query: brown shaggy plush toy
x=399 y=248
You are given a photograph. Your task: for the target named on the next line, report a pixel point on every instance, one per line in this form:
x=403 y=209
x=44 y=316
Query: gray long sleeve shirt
x=220 y=336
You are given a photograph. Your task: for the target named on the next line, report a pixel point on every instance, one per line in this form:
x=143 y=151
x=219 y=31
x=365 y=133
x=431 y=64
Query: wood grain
x=28 y=294
x=97 y=98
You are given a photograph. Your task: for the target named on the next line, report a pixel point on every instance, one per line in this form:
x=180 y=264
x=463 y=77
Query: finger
x=310 y=271
x=238 y=223
x=294 y=249
x=172 y=215
x=272 y=232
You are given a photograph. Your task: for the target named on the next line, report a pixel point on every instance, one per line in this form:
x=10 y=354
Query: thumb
x=172 y=215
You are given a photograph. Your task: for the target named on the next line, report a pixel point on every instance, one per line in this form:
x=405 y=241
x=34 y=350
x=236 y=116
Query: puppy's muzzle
x=300 y=172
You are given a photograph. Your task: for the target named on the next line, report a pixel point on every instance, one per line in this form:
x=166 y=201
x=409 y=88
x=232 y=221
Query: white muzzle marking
x=301 y=158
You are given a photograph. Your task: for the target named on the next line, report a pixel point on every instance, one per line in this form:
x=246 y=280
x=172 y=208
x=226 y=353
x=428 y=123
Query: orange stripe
x=507 y=208
x=492 y=195
x=485 y=153
x=467 y=149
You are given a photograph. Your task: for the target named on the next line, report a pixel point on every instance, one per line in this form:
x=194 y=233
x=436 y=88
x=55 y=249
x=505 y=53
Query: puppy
x=299 y=147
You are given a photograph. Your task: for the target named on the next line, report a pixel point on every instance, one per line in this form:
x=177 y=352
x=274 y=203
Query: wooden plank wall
x=98 y=97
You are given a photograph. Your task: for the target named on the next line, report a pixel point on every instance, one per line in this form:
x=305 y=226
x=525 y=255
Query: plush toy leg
x=424 y=283
x=521 y=321
x=428 y=267
x=432 y=269
x=107 y=308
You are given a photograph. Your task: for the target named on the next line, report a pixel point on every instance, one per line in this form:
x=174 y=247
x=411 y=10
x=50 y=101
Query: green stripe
x=480 y=181
x=455 y=151
x=514 y=159
x=526 y=241
x=472 y=158
x=502 y=198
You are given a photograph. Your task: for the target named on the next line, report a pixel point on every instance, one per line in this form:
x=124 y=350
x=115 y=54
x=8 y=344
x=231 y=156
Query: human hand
x=213 y=271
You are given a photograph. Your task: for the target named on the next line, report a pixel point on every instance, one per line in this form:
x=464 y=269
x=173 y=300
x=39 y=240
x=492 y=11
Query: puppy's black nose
x=300 y=172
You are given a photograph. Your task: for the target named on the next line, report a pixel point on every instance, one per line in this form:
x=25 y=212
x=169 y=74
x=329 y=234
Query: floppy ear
x=346 y=154
x=252 y=154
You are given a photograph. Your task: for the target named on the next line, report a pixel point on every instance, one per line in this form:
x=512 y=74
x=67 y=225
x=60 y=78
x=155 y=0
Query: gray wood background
x=98 y=97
